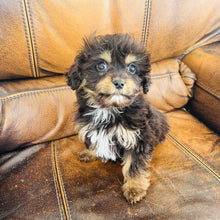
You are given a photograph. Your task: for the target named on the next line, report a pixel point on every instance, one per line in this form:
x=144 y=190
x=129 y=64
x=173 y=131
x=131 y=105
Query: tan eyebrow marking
x=130 y=58
x=106 y=55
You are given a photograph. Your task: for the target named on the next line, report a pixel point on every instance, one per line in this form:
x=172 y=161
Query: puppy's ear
x=147 y=78
x=74 y=78
x=146 y=84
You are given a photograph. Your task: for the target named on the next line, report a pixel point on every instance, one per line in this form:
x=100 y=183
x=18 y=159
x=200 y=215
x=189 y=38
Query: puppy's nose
x=119 y=84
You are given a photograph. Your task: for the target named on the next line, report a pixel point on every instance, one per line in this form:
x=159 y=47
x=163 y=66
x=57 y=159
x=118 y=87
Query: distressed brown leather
x=40 y=174
x=205 y=102
x=178 y=27
x=48 y=34
x=50 y=181
x=35 y=111
x=172 y=83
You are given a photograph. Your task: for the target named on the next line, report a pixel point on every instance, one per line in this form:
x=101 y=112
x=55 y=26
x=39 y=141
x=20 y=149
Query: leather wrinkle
x=35 y=92
x=146 y=22
x=214 y=144
x=162 y=76
x=2 y=115
x=30 y=37
x=49 y=72
x=192 y=155
x=58 y=183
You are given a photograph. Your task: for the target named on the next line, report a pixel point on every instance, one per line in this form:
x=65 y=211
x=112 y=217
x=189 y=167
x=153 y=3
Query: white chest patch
x=101 y=116
x=102 y=139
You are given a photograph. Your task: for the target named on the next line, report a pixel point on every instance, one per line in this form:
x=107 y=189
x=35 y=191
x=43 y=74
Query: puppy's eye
x=101 y=66
x=131 y=68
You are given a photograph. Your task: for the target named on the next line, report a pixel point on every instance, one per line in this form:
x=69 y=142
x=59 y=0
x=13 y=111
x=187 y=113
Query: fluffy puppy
x=111 y=74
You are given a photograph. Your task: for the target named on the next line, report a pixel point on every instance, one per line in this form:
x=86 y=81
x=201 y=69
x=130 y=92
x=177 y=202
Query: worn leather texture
x=35 y=111
x=40 y=174
x=205 y=102
x=172 y=83
x=40 y=38
x=49 y=180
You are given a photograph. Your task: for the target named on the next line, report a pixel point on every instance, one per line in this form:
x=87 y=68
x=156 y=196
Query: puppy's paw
x=135 y=189
x=87 y=155
x=133 y=195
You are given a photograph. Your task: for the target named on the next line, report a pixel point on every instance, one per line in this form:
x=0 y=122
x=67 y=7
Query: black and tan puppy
x=114 y=119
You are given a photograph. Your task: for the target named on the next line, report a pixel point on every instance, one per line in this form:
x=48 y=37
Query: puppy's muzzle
x=119 y=84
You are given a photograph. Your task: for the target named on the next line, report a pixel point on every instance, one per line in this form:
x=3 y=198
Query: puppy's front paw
x=87 y=155
x=133 y=195
x=135 y=189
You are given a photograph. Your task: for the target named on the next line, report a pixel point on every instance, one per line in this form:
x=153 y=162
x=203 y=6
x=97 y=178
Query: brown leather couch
x=40 y=174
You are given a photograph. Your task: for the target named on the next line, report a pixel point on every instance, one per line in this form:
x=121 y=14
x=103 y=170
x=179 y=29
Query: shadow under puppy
x=111 y=74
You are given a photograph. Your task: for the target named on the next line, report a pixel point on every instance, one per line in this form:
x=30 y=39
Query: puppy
x=111 y=74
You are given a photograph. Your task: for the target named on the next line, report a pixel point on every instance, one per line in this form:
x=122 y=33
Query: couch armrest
x=205 y=104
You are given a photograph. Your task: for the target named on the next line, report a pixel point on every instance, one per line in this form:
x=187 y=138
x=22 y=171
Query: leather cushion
x=35 y=111
x=49 y=181
x=40 y=38
x=205 y=103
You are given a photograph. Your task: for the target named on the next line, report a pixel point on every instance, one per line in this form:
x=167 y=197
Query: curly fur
x=114 y=119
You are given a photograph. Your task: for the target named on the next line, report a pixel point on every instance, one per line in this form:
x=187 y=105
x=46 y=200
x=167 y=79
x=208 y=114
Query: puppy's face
x=111 y=70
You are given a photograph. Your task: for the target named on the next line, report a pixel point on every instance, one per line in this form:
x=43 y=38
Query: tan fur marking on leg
x=134 y=188
x=126 y=165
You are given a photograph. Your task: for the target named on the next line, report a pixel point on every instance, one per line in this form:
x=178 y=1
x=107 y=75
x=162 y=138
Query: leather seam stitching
x=146 y=22
x=35 y=54
x=31 y=93
x=58 y=182
x=192 y=155
x=202 y=86
x=190 y=49
x=27 y=30
x=164 y=75
x=30 y=37
x=55 y=181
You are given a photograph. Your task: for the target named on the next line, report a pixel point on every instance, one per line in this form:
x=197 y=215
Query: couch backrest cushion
x=39 y=38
